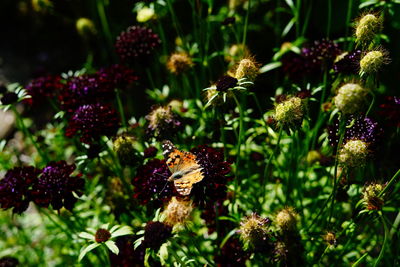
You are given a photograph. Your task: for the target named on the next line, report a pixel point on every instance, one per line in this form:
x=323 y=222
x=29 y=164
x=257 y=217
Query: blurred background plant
x=291 y=109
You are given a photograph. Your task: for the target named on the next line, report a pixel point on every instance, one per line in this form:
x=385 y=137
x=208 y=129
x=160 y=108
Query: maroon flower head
x=93 y=121
x=118 y=76
x=55 y=186
x=42 y=87
x=390 y=111
x=150 y=181
x=321 y=52
x=9 y=98
x=155 y=234
x=15 y=188
x=226 y=82
x=128 y=255
x=349 y=63
x=150 y=152
x=232 y=254
x=136 y=44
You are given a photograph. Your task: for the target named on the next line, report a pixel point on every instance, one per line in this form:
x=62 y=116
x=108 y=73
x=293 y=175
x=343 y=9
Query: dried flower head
x=162 y=122
x=254 y=230
x=178 y=211
x=354 y=153
x=350 y=98
x=136 y=44
x=247 y=68
x=179 y=62
x=371 y=197
x=93 y=121
x=156 y=234
x=367 y=27
x=56 y=185
x=289 y=112
x=286 y=219
x=330 y=238
x=373 y=61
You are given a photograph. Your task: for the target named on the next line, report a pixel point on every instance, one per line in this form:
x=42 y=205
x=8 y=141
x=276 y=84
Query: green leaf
x=288 y=27
x=125 y=230
x=270 y=66
x=87 y=249
x=111 y=246
x=360 y=260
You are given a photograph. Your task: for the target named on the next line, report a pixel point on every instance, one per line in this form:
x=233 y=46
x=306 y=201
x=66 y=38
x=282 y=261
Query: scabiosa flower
x=348 y=62
x=367 y=27
x=150 y=181
x=286 y=219
x=289 y=112
x=390 y=111
x=9 y=98
x=254 y=231
x=15 y=188
x=136 y=44
x=350 y=98
x=150 y=152
x=232 y=254
x=55 y=186
x=371 y=198
x=128 y=255
x=247 y=68
x=163 y=122
x=213 y=187
x=321 y=52
x=126 y=152
x=117 y=76
x=156 y=234
x=179 y=62
x=178 y=211
x=226 y=82
x=373 y=61
x=93 y=121
x=42 y=87
x=354 y=153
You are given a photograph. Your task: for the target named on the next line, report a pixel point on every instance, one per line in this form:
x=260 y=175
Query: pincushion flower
x=373 y=61
x=350 y=98
x=286 y=219
x=56 y=185
x=136 y=44
x=42 y=87
x=163 y=123
x=353 y=154
x=224 y=88
x=92 y=121
x=254 y=231
x=117 y=76
x=103 y=237
x=232 y=254
x=155 y=234
x=247 y=68
x=367 y=27
x=290 y=112
x=15 y=188
x=179 y=62
x=371 y=196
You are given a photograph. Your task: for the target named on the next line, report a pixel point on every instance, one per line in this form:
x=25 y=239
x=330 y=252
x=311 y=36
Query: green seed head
x=354 y=153
x=371 y=197
x=350 y=98
x=286 y=219
x=289 y=112
x=367 y=27
x=372 y=62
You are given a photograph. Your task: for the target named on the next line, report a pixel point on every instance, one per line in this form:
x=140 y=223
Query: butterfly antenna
x=165 y=185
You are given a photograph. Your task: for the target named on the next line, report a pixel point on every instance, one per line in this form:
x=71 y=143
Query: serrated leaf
x=85 y=250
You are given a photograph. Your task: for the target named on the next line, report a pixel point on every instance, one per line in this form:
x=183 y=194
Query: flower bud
x=286 y=219
x=371 y=197
x=125 y=150
x=85 y=27
x=353 y=154
x=177 y=211
x=373 y=62
x=179 y=63
x=145 y=14
x=367 y=27
x=350 y=98
x=290 y=111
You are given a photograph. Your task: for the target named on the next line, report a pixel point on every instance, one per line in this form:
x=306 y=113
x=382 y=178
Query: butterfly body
x=185 y=169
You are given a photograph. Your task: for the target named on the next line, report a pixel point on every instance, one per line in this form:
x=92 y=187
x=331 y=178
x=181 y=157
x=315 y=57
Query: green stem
x=246 y=23
x=328 y=30
x=104 y=22
x=152 y=84
x=348 y=17
x=384 y=242
x=390 y=183
x=121 y=108
x=297 y=15
x=239 y=143
x=372 y=103
x=27 y=133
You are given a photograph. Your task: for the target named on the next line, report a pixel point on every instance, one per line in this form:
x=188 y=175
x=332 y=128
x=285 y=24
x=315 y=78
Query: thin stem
x=121 y=108
x=370 y=105
x=348 y=17
x=328 y=30
x=297 y=15
x=246 y=23
x=390 y=183
x=384 y=242
x=239 y=143
x=104 y=22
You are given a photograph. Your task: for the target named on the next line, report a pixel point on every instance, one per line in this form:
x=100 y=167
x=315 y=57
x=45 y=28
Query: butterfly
x=185 y=169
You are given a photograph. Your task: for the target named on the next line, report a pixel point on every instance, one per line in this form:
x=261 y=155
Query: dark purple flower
x=55 y=186
x=128 y=256
x=349 y=63
x=321 y=52
x=163 y=123
x=136 y=44
x=232 y=254
x=15 y=188
x=364 y=129
x=390 y=111
x=213 y=187
x=155 y=234
x=3 y=88
x=151 y=182
x=150 y=152
x=8 y=262
x=93 y=121
x=226 y=82
x=9 y=98
x=118 y=76
x=42 y=87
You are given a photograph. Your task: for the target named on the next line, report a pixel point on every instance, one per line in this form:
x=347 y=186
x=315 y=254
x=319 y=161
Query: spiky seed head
x=253 y=230
x=290 y=111
x=286 y=219
x=371 y=197
x=367 y=27
x=330 y=238
x=373 y=61
x=354 y=153
x=179 y=62
x=247 y=68
x=350 y=98
x=178 y=211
